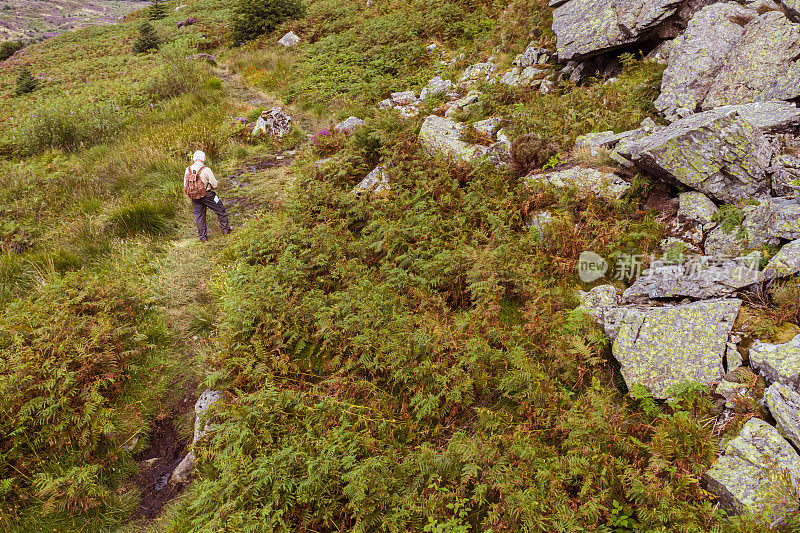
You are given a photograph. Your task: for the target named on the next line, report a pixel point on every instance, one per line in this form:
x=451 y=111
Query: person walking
x=199 y=184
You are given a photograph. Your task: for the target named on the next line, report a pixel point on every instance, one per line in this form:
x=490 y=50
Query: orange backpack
x=194 y=187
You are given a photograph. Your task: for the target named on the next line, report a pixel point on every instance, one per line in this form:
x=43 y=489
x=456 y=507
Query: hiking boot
x=203 y=239
x=226 y=231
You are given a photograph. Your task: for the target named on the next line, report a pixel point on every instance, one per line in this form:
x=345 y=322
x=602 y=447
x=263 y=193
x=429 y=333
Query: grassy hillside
x=403 y=363
x=33 y=19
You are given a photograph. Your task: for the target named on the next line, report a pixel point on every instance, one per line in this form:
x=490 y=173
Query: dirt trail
x=179 y=280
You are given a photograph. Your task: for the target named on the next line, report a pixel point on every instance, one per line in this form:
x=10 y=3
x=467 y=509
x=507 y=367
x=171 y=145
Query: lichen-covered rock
x=696 y=206
x=435 y=87
x=587 y=181
x=202 y=427
x=662 y=347
x=784 y=405
x=585 y=28
x=777 y=362
x=349 y=124
x=724 y=157
x=527 y=77
x=697 y=56
x=762 y=57
x=472 y=97
x=376 y=181
x=488 y=126
x=478 y=71
x=731 y=392
x=595 y=139
x=601 y=303
x=770 y=220
x=793 y=8
x=443 y=136
x=533 y=55
x=289 y=40
x=699 y=278
x=752 y=475
x=785 y=263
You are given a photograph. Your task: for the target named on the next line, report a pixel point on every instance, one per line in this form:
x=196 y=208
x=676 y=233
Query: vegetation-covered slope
x=401 y=363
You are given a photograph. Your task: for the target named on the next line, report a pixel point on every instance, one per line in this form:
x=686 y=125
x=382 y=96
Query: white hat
x=199 y=156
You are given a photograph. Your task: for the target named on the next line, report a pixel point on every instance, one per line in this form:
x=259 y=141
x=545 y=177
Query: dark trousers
x=210 y=201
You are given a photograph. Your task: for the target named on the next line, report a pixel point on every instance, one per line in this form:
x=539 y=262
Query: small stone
x=349 y=124
x=289 y=40
x=376 y=181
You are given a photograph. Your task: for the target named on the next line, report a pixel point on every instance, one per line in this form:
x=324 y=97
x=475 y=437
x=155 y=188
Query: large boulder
x=778 y=363
x=585 y=28
x=784 y=406
x=725 y=157
x=661 y=347
x=758 y=67
x=587 y=181
x=752 y=475
x=697 y=56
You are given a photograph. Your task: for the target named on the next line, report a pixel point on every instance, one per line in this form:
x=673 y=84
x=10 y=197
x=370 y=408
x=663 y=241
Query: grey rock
x=751 y=476
x=793 y=8
x=587 y=181
x=585 y=28
x=349 y=124
x=202 y=427
x=601 y=303
x=662 y=347
x=462 y=103
x=539 y=221
x=697 y=56
x=595 y=139
x=289 y=40
x=478 y=71
x=731 y=392
x=696 y=206
x=435 y=87
x=785 y=263
x=442 y=136
x=733 y=359
x=403 y=98
x=784 y=405
x=488 y=126
x=762 y=58
x=376 y=181
x=699 y=278
x=273 y=122
x=778 y=363
x=725 y=157
x=661 y=54
x=533 y=55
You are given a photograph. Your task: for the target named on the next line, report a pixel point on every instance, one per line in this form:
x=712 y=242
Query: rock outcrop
x=585 y=28
x=785 y=263
x=777 y=363
x=760 y=65
x=697 y=56
x=753 y=474
x=587 y=181
x=721 y=155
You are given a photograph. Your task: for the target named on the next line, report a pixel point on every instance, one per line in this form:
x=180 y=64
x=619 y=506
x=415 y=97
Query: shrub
x=26 y=83
x=64 y=126
x=177 y=74
x=257 y=17
x=530 y=152
x=148 y=39
x=9 y=48
x=157 y=10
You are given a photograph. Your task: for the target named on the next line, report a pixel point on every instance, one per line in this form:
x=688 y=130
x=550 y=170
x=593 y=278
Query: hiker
x=199 y=184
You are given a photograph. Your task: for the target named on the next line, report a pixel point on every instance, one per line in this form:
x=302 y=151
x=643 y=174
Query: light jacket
x=206 y=176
